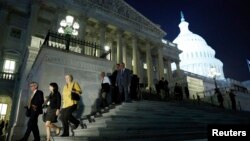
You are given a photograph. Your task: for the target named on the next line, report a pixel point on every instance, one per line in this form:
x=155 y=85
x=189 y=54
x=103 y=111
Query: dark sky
x=224 y=24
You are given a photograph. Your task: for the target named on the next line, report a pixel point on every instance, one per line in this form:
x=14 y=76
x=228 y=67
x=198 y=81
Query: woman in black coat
x=53 y=109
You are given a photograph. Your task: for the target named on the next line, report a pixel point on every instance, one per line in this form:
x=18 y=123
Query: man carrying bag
x=34 y=109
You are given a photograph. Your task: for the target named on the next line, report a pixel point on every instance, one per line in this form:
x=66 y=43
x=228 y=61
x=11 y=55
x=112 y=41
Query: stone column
x=139 y=64
x=178 y=65
x=160 y=62
x=113 y=57
x=102 y=27
x=169 y=71
x=119 y=46
x=149 y=65
x=124 y=51
x=35 y=6
x=178 y=70
x=135 y=53
x=83 y=26
x=3 y=21
x=82 y=31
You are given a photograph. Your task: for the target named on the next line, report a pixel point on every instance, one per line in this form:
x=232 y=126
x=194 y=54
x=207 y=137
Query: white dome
x=197 y=57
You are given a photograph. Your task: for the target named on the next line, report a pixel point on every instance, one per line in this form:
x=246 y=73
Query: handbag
x=74 y=96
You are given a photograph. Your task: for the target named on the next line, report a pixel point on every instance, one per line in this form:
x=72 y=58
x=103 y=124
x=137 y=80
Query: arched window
x=9 y=66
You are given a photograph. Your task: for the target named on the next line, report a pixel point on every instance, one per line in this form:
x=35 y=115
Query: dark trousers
x=233 y=102
x=221 y=104
x=1 y=131
x=133 y=92
x=32 y=126
x=104 y=99
x=117 y=95
x=66 y=117
x=124 y=90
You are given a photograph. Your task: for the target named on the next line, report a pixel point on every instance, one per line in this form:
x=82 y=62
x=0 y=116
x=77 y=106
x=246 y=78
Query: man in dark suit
x=35 y=109
x=115 y=91
x=134 y=86
x=123 y=80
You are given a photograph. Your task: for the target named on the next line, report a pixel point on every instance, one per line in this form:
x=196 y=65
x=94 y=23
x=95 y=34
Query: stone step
x=183 y=107
x=166 y=113
x=139 y=137
x=132 y=129
x=166 y=110
x=172 y=104
x=148 y=125
x=134 y=119
x=132 y=133
x=176 y=113
x=75 y=138
x=158 y=103
x=154 y=121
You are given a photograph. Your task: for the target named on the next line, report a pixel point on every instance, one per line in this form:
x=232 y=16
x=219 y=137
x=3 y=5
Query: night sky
x=224 y=24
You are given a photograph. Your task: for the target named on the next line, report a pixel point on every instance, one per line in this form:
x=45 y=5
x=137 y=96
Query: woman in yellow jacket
x=69 y=105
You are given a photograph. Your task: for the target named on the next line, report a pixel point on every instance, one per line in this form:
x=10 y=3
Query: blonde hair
x=70 y=76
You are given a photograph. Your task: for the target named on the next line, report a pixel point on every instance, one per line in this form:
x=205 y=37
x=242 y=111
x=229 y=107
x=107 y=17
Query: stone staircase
x=153 y=121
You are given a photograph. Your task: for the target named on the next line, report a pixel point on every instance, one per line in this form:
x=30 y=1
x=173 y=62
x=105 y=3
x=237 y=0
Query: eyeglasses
x=32 y=85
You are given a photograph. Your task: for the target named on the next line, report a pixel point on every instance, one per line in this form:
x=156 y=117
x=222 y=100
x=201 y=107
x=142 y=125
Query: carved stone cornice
x=124 y=11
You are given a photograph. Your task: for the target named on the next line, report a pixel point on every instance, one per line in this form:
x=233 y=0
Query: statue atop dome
x=182 y=17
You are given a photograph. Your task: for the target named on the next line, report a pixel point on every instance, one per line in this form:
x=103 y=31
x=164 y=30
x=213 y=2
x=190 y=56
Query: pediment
x=123 y=10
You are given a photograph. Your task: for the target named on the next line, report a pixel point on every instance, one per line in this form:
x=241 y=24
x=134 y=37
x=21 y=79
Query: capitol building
x=197 y=56
x=108 y=32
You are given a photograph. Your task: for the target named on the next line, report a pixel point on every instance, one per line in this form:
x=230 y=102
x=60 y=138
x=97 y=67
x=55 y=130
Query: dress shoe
x=64 y=135
x=75 y=126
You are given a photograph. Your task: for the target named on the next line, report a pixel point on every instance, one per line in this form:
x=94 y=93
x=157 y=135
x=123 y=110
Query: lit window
x=165 y=71
x=145 y=66
x=9 y=66
x=3 y=110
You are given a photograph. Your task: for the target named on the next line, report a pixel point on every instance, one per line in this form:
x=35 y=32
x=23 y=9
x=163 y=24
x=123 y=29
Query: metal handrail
x=73 y=44
x=7 y=76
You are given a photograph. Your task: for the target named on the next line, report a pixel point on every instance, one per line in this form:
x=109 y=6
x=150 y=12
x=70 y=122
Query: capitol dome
x=197 y=57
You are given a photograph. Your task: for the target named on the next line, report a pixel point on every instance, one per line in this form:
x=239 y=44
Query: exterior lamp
x=106 y=48
x=68 y=27
x=213 y=74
